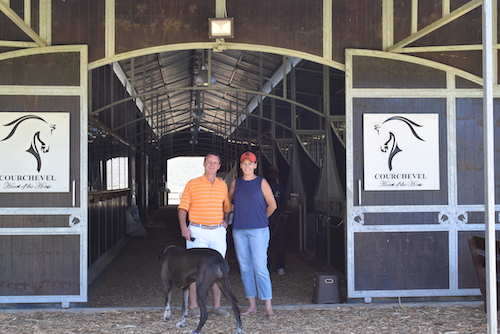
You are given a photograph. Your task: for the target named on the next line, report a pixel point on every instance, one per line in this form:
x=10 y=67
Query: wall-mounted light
x=221 y=27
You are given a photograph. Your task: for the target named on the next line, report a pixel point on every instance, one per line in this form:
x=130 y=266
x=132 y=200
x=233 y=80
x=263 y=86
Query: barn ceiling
x=242 y=101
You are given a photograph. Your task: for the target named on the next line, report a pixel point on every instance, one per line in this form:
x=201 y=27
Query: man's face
x=211 y=164
x=272 y=175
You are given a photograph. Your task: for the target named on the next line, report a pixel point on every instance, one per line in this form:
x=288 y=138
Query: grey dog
x=204 y=266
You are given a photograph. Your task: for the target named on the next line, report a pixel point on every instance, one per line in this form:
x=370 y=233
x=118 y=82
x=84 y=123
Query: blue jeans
x=251 y=250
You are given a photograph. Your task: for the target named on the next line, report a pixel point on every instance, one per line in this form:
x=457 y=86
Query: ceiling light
x=197 y=113
x=221 y=27
x=202 y=77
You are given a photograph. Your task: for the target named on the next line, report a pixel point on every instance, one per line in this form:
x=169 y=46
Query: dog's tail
x=227 y=283
x=163 y=251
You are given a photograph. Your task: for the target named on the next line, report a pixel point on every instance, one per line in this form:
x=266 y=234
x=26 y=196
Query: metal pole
x=489 y=181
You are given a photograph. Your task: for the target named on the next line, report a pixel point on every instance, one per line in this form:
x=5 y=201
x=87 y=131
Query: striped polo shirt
x=204 y=201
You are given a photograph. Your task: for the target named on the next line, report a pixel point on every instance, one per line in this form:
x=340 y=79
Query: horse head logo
x=37 y=145
x=391 y=145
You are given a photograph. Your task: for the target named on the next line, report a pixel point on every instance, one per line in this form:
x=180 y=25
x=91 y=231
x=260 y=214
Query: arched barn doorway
x=289 y=111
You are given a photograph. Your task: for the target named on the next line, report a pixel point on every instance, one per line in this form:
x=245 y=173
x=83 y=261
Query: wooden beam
x=21 y=24
x=444 y=48
x=16 y=44
x=387 y=23
x=45 y=9
x=110 y=28
x=436 y=25
x=446 y=7
x=327 y=30
x=414 y=16
x=27 y=12
x=220 y=9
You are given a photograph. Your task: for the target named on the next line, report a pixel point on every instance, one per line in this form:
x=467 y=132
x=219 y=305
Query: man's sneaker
x=281 y=271
x=220 y=311
x=194 y=312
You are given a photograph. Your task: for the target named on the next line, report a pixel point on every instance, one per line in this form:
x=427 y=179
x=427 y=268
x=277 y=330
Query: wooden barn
x=371 y=109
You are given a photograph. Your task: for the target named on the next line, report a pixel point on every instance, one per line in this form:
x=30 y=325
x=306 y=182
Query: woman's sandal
x=271 y=315
x=247 y=312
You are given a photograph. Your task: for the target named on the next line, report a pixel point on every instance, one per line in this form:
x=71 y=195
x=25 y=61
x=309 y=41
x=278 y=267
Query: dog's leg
x=167 y=286
x=167 y=314
x=203 y=285
x=225 y=287
x=185 y=295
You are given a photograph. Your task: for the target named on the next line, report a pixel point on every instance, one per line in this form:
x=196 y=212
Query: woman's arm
x=231 y=190
x=269 y=198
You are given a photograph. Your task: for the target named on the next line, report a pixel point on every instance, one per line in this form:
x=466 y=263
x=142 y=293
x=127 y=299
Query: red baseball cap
x=248 y=155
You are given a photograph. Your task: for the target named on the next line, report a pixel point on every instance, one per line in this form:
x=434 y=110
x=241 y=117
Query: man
x=277 y=221
x=206 y=200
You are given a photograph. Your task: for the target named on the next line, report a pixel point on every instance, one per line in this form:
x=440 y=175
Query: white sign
x=35 y=152
x=401 y=151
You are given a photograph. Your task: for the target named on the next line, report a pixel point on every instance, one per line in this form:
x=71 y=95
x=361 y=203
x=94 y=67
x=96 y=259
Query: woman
x=253 y=204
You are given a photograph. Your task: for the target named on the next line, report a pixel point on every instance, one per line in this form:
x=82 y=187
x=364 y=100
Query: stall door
x=43 y=175
x=414 y=172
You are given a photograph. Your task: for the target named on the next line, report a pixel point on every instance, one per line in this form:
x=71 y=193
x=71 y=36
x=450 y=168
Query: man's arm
x=185 y=231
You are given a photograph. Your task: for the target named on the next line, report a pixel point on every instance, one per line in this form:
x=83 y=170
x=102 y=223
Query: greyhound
x=201 y=265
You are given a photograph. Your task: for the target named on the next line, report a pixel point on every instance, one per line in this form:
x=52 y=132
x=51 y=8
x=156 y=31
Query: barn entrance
x=289 y=111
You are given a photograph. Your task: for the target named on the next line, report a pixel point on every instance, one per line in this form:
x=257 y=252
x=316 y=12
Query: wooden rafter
x=23 y=26
x=436 y=25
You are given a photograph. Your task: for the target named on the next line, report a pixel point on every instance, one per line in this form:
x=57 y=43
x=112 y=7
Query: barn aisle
x=132 y=279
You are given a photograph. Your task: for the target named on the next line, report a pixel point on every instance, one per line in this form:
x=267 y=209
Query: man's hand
x=186 y=233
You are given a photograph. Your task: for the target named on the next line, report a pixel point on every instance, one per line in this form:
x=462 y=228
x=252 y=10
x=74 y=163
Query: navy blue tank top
x=249 y=204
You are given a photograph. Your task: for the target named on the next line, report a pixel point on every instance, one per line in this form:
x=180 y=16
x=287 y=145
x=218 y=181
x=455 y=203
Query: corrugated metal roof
x=188 y=112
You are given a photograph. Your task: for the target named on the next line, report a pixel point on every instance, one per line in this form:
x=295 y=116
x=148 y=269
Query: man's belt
x=206 y=227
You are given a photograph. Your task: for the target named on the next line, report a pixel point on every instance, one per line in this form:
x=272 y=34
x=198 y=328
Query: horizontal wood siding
x=470 y=156
x=401 y=260
x=356 y=24
x=145 y=23
x=370 y=72
x=291 y=24
x=34 y=221
x=467 y=277
x=41 y=69
x=39 y=265
x=401 y=218
x=79 y=22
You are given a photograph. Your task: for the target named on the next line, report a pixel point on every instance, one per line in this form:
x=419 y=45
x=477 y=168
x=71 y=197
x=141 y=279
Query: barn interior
x=148 y=109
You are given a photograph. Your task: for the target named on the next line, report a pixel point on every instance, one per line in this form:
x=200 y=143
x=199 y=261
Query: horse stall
x=414 y=177
x=43 y=210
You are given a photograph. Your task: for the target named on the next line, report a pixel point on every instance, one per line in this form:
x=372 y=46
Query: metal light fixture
x=202 y=77
x=221 y=27
x=197 y=113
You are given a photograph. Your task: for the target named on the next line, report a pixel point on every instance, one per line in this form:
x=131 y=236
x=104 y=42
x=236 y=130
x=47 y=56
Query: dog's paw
x=180 y=324
x=167 y=315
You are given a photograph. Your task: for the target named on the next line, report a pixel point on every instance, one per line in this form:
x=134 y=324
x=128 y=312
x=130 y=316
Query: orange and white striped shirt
x=205 y=202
